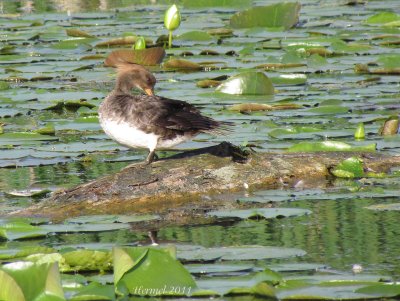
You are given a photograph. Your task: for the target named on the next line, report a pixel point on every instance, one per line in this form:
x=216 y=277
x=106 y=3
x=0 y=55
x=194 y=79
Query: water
x=339 y=233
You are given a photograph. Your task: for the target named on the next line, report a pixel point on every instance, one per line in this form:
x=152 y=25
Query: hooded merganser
x=150 y=121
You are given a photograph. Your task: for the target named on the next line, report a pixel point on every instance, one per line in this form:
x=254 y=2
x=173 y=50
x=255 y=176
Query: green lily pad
x=383 y=17
x=23 y=138
x=87 y=260
x=20 y=230
x=147 y=271
x=385 y=207
x=94 y=291
x=289 y=79
x=218 y=269
x=238 y=253
x=349 y=168
x=73 y=32
x=35 y=281
x=260 y=212
x=195 y=35
x=74 y=43
x=292 y=130
x=389 y=61
x=284 y=15
x=381 y=290
x=260 y=284
x=247 y=83
x=330 y=146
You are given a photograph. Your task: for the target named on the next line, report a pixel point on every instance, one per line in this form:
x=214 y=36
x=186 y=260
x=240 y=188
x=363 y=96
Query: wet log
x=196 y=181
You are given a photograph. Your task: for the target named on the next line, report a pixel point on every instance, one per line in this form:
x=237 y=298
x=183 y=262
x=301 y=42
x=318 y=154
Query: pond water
x=50 y=84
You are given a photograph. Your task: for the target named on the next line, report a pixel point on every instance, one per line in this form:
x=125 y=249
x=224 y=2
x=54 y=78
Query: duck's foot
x=151 y=157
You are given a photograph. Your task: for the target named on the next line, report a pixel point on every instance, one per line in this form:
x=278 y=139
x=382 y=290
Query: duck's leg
x=151 y=157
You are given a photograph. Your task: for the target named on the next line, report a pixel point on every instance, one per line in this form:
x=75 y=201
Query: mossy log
x=196 y=181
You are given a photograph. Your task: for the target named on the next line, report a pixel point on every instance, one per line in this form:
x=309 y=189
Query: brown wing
x=154 y=113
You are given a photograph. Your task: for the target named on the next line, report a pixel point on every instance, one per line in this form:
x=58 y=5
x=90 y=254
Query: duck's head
x=134 y=76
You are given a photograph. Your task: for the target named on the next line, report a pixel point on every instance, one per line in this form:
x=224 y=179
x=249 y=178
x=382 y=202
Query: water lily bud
x=360 y=131
x=140 y=43
x=172 y=18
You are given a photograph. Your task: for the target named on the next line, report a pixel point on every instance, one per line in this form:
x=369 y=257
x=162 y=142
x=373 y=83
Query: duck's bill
x=149 y=91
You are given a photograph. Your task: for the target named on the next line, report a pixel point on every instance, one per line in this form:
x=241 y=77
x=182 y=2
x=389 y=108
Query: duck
x=148 y=121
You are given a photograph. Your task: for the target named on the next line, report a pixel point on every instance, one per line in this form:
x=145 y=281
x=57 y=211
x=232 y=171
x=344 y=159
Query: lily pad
x=385 y=207
x=181 y=64
x=284 y=15
x=260 y=213
x=247 y=83
x=195 y=35
x=330 y=146
x=146 y=57
x=95 y=291
x=72 y=32
x=238 y=253
x=149 y=272
x=349 y=168
x=35 y=281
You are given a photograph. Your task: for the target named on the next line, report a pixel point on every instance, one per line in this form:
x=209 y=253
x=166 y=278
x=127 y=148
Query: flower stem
x=170 y=39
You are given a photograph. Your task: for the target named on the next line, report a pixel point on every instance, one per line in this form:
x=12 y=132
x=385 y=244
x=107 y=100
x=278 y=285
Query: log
x=192 y=182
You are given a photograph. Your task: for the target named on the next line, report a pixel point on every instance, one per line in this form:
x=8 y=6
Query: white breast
x=128 y=135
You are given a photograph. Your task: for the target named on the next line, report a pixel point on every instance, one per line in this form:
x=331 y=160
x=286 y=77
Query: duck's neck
x=123 y=87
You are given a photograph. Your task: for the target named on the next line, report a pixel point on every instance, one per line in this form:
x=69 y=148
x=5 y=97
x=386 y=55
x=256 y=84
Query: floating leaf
x=292 y=130
x=328 y=109
x=195 y=35
x=383 y=17
x=330 y=146
x=78 y=33
x=149 y=272
x=95 y=291
x=238 y=253
x=390 y=61
x=284 y=15
x=273 y=66
x=10 y=290
x=260 y=212
x=289 y=79
x=385 y=207
x=208 y=83
x=146 y=57
x=381 y=290
x=128 y=40
x=20 y=230
x=223 y=32
x=180 y=64
x=349 y=168
x=87 y=260
x=74 y=43
x=247 y=83
x=36 y=281
x=251 y=107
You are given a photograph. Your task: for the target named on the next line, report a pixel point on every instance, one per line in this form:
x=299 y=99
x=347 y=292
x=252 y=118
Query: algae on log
x=197 y=180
